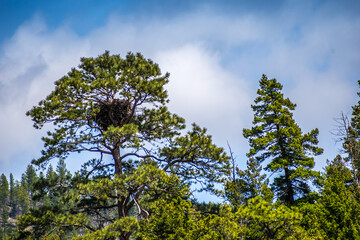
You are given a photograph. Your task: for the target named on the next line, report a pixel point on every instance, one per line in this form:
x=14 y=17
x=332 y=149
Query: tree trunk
x=289 y=188
x=117 y=161
x=121 y=200
x=118 y=171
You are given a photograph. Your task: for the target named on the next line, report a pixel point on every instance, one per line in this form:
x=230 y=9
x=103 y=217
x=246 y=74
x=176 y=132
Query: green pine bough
x=277 y=140
x=116 y=108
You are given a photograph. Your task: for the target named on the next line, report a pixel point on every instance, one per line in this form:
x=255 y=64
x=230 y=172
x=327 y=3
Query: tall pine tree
x=30 y=178
x=352 y=141
x=4 y=209
x=276 y=139
x=12 y=197
x=4 y=190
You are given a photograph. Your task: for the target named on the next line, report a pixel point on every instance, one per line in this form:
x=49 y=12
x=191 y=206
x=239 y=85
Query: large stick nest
x=116 y=112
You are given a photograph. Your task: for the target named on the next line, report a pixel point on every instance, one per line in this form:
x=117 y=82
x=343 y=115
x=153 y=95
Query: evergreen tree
x=12 y=197
x=348 y=134
x=355 y=120
x=30 y=178
x=49 y=188
x=173 y=219
x=206 y=208
x=261 y=219
x=338 y=209
x=4 y=208
x=62 y=172
x=352 y=141
x=177 y=219
x=247 y=184
x=278 y=140
x=22 y=198
x=225 y=225
x=4 y=212
x=4 y=191
x=116 y=108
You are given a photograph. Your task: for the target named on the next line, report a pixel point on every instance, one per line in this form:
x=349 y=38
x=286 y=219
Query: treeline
x=139 y=186
x=18 y=197
x=250 y=212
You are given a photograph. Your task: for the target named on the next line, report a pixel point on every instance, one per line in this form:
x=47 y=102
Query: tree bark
x=289 y=188
x=121 y=200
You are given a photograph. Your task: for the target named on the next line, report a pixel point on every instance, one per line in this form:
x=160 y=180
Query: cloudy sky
x=215 y=51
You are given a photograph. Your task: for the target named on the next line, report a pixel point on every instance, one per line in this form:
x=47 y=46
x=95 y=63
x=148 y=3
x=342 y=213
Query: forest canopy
x=139 y=184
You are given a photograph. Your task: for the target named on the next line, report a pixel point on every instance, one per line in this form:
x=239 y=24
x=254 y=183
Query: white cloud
x=214 y=59
x=33 y=59
x=205 y=93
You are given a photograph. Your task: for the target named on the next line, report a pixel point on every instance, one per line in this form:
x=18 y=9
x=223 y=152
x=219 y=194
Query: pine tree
x=12 y=197
x=349 y=136
x=4 y=214
x=30 y=178
x=338 y=209
x=116 y=109
x=4 y=205
x=352 y=141
x=355 y=120
x=4 y=191
x=248 y=184
x=22 y=197
x=277 y=140
x=62 y=171
x=266 y=220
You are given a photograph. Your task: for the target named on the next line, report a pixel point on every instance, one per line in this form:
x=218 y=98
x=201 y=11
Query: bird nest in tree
x=116 y=112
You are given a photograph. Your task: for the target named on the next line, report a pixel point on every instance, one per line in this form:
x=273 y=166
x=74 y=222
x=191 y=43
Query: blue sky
x=215 y=51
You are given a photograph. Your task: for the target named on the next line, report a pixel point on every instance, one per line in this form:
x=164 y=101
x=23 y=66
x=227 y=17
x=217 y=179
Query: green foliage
x=261 y=219
x=114 y=230
x=192 y=157
x=248 y=184
x=4 y=222
x=355 y=121
x=221 y=226
x=28 y=178
x=4 y=190
x=206 y=208
x=4 y=202
x=51 y=201
x=350 y=133
x=172 y=219
x=116 y=108
x=278 y=140
x=138 y=184
x=339 y=206
x=22 y=198
x=177 y=219
x=98 y=84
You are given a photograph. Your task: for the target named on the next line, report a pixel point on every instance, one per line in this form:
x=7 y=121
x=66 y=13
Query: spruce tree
x=30 y=179
x=61 y=170
x=22 y=197
x=278 y=141
x=4 y=202
x=12 y=197
x=4 y=190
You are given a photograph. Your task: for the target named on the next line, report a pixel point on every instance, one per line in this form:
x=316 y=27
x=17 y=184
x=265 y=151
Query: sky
x=215 y=52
